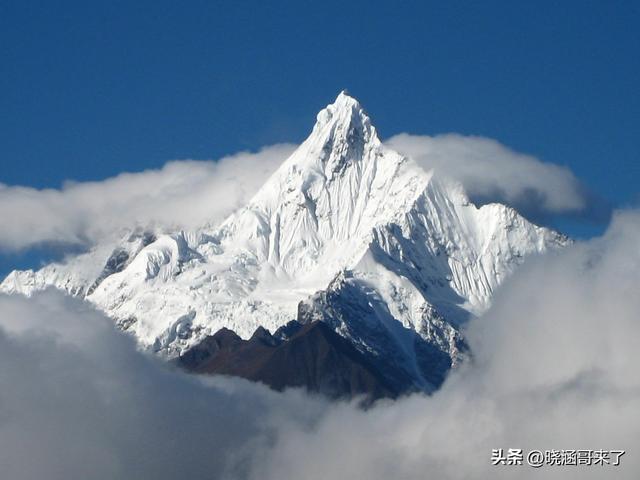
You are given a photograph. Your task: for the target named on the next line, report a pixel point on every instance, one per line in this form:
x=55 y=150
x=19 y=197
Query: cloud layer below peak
x=554 y=367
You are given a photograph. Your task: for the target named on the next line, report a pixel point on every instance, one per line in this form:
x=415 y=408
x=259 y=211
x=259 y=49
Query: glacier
x=394 y=257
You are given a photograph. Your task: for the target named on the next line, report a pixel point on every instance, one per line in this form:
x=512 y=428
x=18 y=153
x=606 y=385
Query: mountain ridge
x=347 y=231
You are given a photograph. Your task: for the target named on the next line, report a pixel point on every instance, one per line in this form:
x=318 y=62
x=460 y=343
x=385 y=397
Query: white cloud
x=183 y=194
x=555 y=366
x=78 y=401
x=491 y=171
x=187 y=194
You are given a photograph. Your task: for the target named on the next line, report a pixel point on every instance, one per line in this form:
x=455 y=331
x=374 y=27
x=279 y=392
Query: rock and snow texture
x=346 y=230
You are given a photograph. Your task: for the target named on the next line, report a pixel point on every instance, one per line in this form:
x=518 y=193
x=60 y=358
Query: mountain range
x=352 y=270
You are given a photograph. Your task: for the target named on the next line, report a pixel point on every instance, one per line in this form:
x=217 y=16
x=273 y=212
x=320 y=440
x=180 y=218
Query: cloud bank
x=555 y=367
x=183 y=194
x=78 y=401
x=188 y=194
x=491 y=172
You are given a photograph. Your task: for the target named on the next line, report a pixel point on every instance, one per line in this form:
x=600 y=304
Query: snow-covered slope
x=346 y=230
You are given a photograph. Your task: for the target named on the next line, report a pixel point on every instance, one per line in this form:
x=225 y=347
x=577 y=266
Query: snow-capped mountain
x=346 y=231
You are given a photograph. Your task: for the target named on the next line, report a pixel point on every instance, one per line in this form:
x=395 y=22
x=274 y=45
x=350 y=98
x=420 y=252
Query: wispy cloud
x=183 y=194
x=491 y=172
x=187 y=194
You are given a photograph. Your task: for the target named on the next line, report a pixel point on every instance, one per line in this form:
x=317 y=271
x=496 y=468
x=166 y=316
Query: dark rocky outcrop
x=312 y=356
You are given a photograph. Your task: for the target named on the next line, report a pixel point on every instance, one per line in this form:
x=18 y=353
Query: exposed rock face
x=311 y=356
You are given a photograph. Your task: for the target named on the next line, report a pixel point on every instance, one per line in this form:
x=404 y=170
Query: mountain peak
x=345 y=98
x=343 y=133
x=421 y=260
x=345 y=108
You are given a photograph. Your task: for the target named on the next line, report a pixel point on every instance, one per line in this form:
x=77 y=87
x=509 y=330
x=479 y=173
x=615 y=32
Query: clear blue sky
x=91 y=89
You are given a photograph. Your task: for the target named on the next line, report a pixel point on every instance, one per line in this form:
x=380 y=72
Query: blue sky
x=91 y=89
